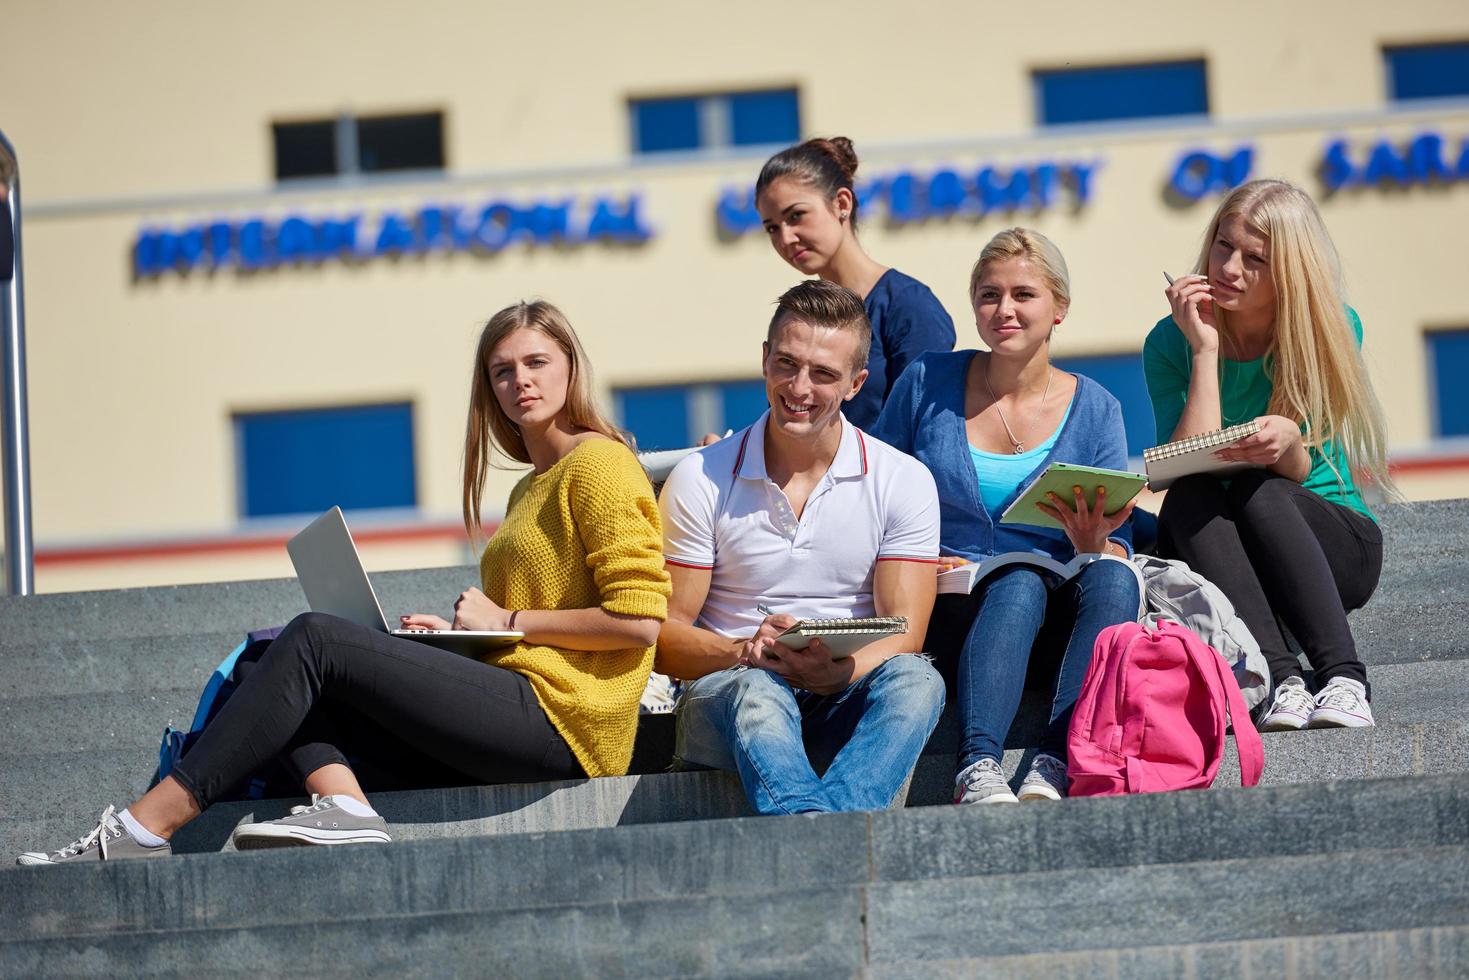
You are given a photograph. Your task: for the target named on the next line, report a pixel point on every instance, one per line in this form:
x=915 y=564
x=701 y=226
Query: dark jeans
x=1021 y=622
x=408 y=714
x=1281 y=553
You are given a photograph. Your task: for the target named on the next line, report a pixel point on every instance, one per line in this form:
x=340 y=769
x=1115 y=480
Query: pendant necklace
x=1019 y=446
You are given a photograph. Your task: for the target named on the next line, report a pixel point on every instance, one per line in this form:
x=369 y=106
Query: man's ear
x=764 y=355
x=857 y=381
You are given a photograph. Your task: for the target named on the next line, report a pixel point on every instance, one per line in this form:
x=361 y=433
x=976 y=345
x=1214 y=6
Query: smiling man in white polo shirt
x=803 y=514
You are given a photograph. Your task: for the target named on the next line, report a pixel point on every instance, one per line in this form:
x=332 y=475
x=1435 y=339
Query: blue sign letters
x=908 y=196
x=260 y=243
x=1427 y=158
x=1199 y=173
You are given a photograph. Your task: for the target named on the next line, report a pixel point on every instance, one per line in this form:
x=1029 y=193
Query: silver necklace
x=1019 y=446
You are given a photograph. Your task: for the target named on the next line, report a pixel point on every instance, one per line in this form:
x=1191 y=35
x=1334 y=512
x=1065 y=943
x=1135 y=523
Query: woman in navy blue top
x=806 y=200
x=986 y=424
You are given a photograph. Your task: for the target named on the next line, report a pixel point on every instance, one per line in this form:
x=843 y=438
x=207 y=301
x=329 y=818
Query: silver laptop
x=331 y=574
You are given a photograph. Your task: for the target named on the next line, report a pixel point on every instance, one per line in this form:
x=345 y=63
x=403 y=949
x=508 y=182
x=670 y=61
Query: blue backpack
x=217 y=690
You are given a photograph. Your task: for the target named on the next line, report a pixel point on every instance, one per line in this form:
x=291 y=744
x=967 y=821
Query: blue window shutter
x=301 y=462
x=1077 y=95
x=1427 y=71
x=666 y=124
x=1448 y=356
x=764 y=117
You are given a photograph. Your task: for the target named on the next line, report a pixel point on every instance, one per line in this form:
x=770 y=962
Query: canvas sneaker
x=108 y=841
x=1291 y=708
x=319 y=822
x=982 y=782
x=1342 y=703
x=1046 y=779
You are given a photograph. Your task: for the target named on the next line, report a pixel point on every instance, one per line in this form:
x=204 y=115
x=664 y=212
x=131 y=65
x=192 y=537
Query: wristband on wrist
x=510 y=623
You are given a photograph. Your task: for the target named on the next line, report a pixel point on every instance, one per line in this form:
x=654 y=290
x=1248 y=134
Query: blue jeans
x=1006 y=613
x=865 y=739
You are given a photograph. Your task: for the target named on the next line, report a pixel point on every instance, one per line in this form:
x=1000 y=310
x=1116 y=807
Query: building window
x=1122 y=375
x=1102 y=94
x=1427 y=71
x=1448 y=365
x=677 y=416
x=301 y=462
x=708 y=121
x=351 y=145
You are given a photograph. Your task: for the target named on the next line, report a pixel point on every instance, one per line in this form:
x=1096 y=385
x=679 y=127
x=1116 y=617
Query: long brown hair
x=1316 y=369
x=488 y=426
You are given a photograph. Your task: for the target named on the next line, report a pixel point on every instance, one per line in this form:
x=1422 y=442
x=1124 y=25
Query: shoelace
x=1049 y=768
x=1288 y=697
x=1339 y=696
x=107 y=826
x=317 y=803
x=985 y=772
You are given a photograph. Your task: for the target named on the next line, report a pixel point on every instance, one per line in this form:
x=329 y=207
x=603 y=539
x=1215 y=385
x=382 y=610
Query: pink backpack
x=1152 y=713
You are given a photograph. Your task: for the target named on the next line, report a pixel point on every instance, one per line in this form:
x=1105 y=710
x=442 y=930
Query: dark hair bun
x=841 y=151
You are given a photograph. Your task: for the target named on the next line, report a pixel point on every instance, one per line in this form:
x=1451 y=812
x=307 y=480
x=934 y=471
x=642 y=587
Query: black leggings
x=1277 y=549
x=408 y=714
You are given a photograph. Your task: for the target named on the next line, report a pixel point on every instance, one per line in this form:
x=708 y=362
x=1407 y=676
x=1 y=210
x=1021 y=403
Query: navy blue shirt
x=907 y=320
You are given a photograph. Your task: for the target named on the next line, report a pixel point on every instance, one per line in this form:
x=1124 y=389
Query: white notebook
x=1195 y=454
x=843 y=637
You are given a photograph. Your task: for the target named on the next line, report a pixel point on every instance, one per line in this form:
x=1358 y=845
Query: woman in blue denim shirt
x=986 y=423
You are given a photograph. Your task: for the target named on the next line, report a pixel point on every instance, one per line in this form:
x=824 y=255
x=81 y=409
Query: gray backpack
x=1176 y=592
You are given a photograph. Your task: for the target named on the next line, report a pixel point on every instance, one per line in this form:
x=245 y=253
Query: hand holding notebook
x=1060 y=479
x=1196 y=454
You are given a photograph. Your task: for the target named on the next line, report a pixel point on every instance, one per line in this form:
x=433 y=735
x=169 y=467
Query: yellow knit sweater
x=584 y=533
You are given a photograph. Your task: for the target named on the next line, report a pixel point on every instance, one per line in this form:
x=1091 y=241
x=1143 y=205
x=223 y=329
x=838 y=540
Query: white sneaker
x=1342 y=703
x=1291 y=708
x=1046 y=779
x=983 y=782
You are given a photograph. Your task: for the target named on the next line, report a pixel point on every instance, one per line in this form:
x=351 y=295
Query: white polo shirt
x=722 y=512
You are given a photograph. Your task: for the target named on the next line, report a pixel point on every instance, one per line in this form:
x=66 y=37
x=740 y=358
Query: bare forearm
x=688 y=652
x=1294 y=464
x=585 y=629
x=1201 y=411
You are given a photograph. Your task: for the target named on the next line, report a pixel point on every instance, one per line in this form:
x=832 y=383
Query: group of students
x=885 y=457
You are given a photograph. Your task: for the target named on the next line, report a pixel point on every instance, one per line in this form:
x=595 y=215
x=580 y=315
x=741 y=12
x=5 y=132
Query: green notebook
x=1059 y=478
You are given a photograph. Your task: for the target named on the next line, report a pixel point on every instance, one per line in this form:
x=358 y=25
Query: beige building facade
x=175 y=286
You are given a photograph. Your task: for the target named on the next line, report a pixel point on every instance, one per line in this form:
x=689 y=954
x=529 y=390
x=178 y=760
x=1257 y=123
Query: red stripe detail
x=1429 y=464
x=207 y=547
x=740 y=459
x=862 y=445
x=686 y=564
x=921 y=561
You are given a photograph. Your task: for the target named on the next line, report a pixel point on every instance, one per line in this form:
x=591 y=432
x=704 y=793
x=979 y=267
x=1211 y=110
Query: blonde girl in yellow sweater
x=576 y=565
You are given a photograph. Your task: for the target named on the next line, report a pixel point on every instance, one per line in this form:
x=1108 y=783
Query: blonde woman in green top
x=1261 y=331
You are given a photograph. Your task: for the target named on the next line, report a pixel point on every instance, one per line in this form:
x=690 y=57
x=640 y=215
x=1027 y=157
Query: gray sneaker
x=982 y=782
x=319 y=822
x=108 y=841
x=1046 y=779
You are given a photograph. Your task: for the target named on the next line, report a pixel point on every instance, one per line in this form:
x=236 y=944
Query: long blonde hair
x=488 y=427
x=1315 y=367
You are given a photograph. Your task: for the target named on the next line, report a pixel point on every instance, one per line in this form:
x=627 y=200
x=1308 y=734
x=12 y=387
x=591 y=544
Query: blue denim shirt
x=924 y=416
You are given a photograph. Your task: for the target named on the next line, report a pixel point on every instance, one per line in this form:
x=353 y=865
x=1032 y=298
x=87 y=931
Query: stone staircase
x=1350 y=859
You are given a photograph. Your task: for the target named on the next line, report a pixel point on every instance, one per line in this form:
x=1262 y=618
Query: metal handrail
x=20 y=565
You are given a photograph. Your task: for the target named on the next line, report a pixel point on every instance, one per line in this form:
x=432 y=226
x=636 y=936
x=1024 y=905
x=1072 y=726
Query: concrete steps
x=663 y=873
x=884 y=893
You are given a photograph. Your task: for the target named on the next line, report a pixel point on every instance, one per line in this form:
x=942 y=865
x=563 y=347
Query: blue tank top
x=1000 y=474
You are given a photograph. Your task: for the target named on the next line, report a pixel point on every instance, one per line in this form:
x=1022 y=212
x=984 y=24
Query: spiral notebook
x=843 y=637
x=1195 y=454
